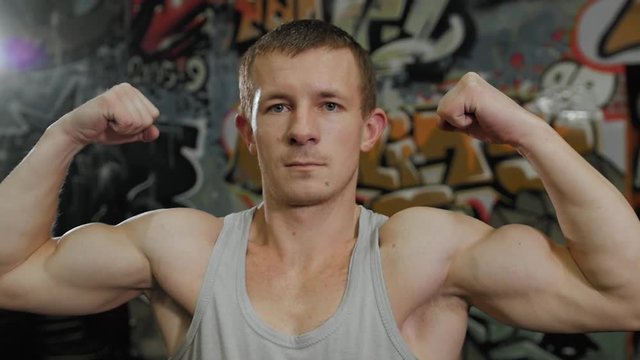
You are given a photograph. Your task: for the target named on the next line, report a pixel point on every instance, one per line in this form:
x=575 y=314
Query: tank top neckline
x=312 y=336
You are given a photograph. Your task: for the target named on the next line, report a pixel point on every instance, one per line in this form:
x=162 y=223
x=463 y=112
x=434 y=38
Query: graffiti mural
x=168 y=44
x=255 y=18
x=413 y=40
x=617 y=43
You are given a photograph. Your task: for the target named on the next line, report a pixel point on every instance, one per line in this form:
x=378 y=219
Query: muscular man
x=308 y=273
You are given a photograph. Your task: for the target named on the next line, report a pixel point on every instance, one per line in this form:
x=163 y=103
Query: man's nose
x=303 y=128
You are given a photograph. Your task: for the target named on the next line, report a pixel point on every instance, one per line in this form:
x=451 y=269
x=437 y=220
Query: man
x=308 y=273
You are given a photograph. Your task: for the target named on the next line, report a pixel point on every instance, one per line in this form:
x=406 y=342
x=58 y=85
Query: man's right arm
x=93 y=267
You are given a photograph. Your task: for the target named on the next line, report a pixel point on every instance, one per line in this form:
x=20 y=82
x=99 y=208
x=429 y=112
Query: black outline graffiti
x=608 y=32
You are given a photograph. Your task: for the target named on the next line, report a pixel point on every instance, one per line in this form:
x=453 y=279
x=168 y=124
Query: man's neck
x=306 y=235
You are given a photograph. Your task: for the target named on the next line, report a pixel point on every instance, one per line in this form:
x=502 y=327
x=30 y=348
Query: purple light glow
x=19 y=54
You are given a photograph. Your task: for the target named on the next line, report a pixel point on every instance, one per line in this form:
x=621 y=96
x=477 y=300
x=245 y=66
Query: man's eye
x=277 y=108
x=331 y=106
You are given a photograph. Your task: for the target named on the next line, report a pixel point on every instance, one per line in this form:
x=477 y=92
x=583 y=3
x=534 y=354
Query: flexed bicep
x=521 y=277
x=91 y=269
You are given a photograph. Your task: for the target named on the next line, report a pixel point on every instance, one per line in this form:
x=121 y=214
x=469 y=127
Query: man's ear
x=246 y=132
x=374 y=127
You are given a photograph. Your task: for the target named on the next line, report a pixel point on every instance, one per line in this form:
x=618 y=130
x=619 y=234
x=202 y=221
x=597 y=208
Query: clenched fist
x=475 y=107
x=120 y=115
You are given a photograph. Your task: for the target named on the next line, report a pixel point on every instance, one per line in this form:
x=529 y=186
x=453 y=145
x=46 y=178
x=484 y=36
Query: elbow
x=631 y=321
x=633 y=317
x=625 y=306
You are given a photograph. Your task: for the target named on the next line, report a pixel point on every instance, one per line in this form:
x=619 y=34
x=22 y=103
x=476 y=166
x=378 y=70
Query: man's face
x=307 y=127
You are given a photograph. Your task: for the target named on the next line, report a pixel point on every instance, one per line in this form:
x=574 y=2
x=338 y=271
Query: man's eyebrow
x=281 y=95
x=270 y=95
x=330 y=93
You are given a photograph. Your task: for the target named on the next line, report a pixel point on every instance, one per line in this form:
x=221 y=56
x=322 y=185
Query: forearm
x=29 y=196
x=601 y=229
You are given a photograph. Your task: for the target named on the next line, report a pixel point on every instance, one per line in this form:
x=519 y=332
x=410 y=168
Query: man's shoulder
x=437 y=231
x=417 y=220
x=174 y=225
x=417 y=247
x=177 y=216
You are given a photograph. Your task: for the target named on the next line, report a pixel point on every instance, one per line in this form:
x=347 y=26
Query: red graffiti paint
x=170 y=19
x=558 y=35
x=517 y=61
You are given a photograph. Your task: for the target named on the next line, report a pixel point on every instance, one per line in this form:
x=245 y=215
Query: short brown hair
x=296 y=37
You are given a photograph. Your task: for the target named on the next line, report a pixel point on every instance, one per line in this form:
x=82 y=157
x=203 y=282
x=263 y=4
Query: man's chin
x=306 y=202
x=306 y=198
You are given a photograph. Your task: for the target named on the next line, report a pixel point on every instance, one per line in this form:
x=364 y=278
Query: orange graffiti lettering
x=260 y=16
x=467 y=164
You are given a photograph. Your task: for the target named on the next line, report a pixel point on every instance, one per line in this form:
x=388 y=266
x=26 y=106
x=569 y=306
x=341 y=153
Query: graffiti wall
x=575 y=63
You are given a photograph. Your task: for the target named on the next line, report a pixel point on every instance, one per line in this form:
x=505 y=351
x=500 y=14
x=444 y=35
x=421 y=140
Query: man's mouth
x=303 y=163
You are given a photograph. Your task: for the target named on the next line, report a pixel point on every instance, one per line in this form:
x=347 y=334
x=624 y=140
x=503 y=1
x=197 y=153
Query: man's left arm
x=592 y=283
x=600 y=227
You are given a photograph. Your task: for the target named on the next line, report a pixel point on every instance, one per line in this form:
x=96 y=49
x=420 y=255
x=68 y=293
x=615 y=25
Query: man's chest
x=295 y=300
x=280 y=292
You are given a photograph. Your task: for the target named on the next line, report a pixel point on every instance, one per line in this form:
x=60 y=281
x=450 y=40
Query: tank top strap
x=379 y=287
x=229 y=242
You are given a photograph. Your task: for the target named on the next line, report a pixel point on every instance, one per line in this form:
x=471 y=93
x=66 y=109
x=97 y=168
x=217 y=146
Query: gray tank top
x=225 y=325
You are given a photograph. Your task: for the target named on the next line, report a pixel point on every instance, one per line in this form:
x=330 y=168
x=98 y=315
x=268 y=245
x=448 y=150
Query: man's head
x=296 y=37
x=304 y=112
